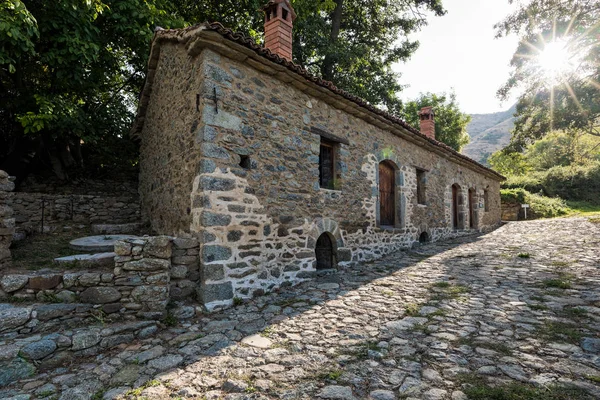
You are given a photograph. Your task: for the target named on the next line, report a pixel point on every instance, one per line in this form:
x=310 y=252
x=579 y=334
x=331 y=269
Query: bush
x=531 y=182
x=539 y=206
x=573 y=183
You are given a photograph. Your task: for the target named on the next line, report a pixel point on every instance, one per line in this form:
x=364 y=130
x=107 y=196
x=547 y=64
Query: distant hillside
x=489 y=133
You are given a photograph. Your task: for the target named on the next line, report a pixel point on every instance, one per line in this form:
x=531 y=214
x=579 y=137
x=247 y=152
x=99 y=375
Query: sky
x=458 y=51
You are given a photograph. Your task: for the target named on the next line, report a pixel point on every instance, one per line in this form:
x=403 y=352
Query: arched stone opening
x=326 y=252
x=424 y=238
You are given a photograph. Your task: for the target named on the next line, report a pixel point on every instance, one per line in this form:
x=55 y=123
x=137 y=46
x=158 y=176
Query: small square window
x=327 y=155
x=421 y=187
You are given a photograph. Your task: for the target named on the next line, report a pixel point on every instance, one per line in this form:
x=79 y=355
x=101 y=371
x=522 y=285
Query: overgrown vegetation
x=38 y=251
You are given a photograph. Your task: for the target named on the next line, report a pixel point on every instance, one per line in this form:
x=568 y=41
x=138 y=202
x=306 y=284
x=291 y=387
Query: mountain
x=489 y=133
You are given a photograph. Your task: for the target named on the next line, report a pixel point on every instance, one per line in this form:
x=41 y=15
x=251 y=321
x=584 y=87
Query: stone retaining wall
x=148 y=273
x=19 y=358
x=7 y=222
x=81 y=209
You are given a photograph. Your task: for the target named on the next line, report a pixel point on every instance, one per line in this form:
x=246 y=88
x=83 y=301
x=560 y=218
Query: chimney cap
x=286 y=3
x=426 y=110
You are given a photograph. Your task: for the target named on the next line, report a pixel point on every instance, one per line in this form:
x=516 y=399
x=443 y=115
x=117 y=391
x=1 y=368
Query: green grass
x=412 y=309
x=521 y=391
x=442 y=284
x=38 y=251
x=560 y=332
x=583 y=209
x=557 y=283
x=524 y=255
x=574 y=312
x=538 y=307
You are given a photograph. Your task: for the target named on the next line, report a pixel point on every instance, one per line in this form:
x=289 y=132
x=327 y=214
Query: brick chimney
x=279 y=20
x=427 y=122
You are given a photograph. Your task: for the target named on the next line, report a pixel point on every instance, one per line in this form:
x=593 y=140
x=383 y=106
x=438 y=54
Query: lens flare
x=556 y=61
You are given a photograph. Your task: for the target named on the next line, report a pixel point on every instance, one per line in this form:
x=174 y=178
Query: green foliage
x=571 y=101
x=450 y=122
x=540 y=206
x=73 y=74
x=573 y=183
x=508 y=163
x=354 y=43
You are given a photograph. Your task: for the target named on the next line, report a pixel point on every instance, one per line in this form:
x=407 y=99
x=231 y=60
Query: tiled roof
x=249 y=43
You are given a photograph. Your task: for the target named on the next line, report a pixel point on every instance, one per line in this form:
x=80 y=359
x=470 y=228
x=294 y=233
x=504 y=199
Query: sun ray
x=552 y=108
x=593 y=83
x=573 y=96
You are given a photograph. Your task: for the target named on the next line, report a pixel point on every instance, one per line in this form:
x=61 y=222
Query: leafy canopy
x=557 y=65
x=450 y=122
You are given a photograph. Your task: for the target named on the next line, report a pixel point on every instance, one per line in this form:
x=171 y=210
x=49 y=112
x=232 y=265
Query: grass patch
x=560 y=264
x=442 y=284
x=332 y=375
x=497 y=347
x=412 y=309
x=524 y=255
x=138 y=391
x=583 y=209
x=593 y=378
x=237 y=301
x=538 y=298
x=559 y=331
x=39 y=251
x=170 y=320
x=557 y=283
x=574 y=312
x=521 y=391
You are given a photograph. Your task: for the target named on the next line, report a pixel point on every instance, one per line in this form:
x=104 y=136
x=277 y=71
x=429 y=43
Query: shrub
x=573 y=182
x=540 y=206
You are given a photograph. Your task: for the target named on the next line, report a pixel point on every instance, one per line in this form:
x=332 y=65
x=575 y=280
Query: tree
x=353 y=43
x=509 y=163
x=450 y=122
x=70 y=73
x=557 y=64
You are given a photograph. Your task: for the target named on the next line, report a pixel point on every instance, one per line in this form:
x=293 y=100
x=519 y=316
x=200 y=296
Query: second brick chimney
x=279 y=20
x=426 y=116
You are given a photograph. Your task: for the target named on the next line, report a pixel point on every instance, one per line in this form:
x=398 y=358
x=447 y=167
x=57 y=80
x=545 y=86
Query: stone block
x=179 y=271
x=122 y=248
x=13 y=317
x=147 y=264
x=185 y=243
x=158 y=279
x=14 y=370
x=85 y=339
x=186 y=260
x=344 y=254
x=213 y=272
x=158 y=246
x=216 y=292
x=211 y=219
x=100 y=295
x=44 y=281
x=215 y=253
x=12 y=283
x=38 y=350
x=147 y=293
x=216 y=184
x=50 y=311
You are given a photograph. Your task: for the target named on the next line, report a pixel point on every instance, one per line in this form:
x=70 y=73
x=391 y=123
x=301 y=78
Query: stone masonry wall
x=7 y=221
x=171 y=145
x=256 y=205
x=82 y=209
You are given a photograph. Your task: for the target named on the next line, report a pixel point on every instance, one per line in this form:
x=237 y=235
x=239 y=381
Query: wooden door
x=387 y=195
x=471 y=208
x=324 y=252
x=454 y=207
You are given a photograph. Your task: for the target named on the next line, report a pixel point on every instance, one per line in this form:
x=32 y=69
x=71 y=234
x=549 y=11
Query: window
x=327 y=164
x=421 y=185
x=486 y=203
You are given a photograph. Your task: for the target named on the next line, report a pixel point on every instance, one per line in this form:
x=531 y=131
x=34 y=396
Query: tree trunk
x=336 y=21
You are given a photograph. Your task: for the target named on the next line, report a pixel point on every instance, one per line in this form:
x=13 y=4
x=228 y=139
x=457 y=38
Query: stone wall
x=71 y=208
x=148 y=273
x=253 y=156
x=7 y=221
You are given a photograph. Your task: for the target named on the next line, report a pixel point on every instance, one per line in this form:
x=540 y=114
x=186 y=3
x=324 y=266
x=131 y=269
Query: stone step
x=98 y=260
x=23 y=356
x=99 y=243
x=113 y=229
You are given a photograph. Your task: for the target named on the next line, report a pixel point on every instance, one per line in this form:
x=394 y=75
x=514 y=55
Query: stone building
x=280 y=174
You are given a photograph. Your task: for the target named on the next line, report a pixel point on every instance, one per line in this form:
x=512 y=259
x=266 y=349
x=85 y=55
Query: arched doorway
x=387 y=194
x=324 y=252
x=472 y=222
x=456 y=203
x=424 y=237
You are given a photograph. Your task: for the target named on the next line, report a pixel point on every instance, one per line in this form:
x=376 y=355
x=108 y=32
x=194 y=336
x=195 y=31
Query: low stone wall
x=511 y=212
x=7 y=222
x=20 y=358
x=82 y=209
x=148 y=273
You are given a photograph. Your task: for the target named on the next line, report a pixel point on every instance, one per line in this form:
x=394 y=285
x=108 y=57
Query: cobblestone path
x=517 y=309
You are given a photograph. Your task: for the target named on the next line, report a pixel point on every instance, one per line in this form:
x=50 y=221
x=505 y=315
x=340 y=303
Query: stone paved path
x=518 y=308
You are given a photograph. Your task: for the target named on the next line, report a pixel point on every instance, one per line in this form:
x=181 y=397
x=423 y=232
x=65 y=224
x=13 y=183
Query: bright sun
x=556 y=60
